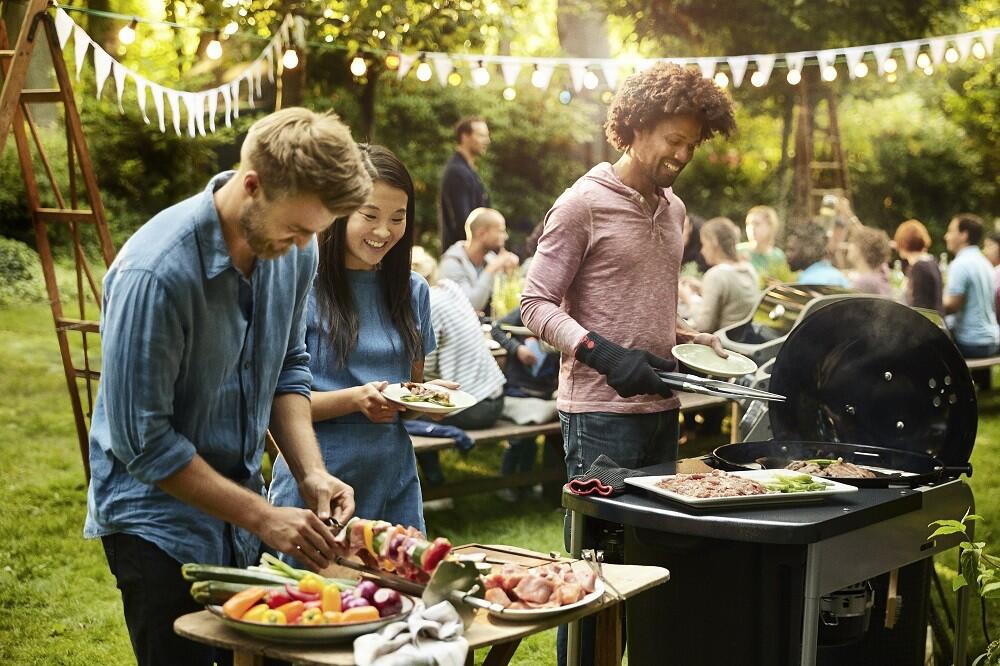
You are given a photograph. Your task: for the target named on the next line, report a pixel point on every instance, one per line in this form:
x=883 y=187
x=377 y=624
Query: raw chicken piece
x=534 y=589
x=497 y=596
x=584 y=576
x=519 y=605
x=568 y=593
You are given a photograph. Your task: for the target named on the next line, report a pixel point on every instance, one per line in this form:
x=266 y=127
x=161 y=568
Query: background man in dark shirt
x=462 y=190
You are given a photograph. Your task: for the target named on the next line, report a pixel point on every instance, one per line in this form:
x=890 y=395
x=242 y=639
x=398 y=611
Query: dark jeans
x=154 y=595
x=483 y=414
x=631 y=440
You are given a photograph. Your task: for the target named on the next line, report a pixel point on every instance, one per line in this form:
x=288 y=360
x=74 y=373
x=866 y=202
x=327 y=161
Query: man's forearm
x=291 y=427
x=199 y=485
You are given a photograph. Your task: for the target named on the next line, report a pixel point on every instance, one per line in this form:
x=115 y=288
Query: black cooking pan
x=902 y=468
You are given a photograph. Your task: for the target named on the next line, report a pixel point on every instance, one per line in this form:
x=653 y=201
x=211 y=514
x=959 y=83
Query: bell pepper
x=311 y=583
x=333 y=617
x=278 y=598
x=369 y=532
x=433 y=555
x=292 y=610
x=273 y=616
x=360 y=614
x=298 y=595
x=241 y=602
x=255 y=613
x=331 y=598
x=312 y=616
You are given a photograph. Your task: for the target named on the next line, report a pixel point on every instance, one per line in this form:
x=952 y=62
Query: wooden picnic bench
x=552 y=472
x=980 y=363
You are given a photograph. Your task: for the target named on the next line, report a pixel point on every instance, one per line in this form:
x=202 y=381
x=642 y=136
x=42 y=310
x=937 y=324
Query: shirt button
x=246 y=366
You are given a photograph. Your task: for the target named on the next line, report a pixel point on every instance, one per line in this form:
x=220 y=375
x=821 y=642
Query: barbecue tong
x=695 y=384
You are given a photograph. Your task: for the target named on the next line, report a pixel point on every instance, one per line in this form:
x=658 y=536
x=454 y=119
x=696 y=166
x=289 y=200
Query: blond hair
x=296 y=151
x=767 y=214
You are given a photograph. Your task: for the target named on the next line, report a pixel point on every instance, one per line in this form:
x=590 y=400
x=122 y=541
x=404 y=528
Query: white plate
x=320 y=633
x=460 y=399
x=523 y=331
x=762 y=476
x=539 y=613
x=704 y=359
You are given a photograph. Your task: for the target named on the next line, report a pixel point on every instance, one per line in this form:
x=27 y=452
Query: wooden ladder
x=16 y=117
x=820 y=165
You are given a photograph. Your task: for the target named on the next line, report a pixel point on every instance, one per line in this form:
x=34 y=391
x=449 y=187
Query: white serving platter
x=648 y=483
x=541 y=613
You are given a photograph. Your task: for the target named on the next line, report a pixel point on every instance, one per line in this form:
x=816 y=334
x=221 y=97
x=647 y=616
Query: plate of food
x=718 y=488
x=428 y=398
x=703 y=358
x=531 y=593
x=284 y=614
x=522 y=331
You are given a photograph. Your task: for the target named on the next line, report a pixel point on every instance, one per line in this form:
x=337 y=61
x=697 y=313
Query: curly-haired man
x=603 y=283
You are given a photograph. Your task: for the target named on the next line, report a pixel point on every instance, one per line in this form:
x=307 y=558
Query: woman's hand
x=710 y=340
x=369 y=401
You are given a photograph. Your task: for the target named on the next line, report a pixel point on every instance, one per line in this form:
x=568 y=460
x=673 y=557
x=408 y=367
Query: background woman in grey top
x=729 y=290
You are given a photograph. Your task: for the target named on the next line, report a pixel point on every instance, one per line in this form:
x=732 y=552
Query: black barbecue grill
x=867 y=380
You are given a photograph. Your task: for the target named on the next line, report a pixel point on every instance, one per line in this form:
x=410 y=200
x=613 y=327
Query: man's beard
x=255 y=234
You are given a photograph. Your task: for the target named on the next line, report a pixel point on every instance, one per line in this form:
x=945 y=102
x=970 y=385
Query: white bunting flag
x=64 y=26
x=102 y=68
x=276 y=50
x=157 y=92
x=707 y=67
x=795 y=61
x=882 y=53
x=173 y=98
x=765 y=65
x=543 y=77
x=118 y=71
x=189 y=109
x=576 y=73
x=269 y=59
x=989 y=36
x=910 y=52
x=644 y=64
x=938 y=46
x=227 y=99
x=738 y=68
x=964 y=44
x=510 y=71
x=853 y=56
x=299 y=31
x=443 y=67
x=405 y=63
x=81 y=42
x=234 y=89
x=610 y=70
x=826 y=58
x=140 y=94
x=259 y=79
x=199 y=111
x=213 y=107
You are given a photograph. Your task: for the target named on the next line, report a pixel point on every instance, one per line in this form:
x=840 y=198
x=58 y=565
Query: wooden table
x=502 y=637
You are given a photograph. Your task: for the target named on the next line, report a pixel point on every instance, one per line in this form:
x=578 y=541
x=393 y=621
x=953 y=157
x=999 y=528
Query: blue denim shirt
x=193 y=354
x=823 y=273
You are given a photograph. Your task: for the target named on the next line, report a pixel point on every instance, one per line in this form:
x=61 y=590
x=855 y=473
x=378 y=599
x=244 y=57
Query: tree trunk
x=802 y=161
x=368 y=95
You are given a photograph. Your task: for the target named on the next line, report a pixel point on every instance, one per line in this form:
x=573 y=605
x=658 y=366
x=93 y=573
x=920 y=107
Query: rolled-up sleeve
x=561 y=250
x=142 y=345
x=295 y=375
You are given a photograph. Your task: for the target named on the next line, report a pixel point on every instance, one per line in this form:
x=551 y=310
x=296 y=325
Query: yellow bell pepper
x=369 y=533
x=273 y=616
x=331 y=598
x=292 y=610
x=333 y=617
x=311 y=583
x=255 y=613
x=360 y=614
x=312 y=616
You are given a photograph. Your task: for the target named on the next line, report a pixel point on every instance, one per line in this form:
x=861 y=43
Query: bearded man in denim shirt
x=203 y=343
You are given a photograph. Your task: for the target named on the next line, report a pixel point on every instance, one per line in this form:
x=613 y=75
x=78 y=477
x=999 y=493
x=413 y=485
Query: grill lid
x=872 y=371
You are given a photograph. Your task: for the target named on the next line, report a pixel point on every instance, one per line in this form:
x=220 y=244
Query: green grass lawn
x=58 y=602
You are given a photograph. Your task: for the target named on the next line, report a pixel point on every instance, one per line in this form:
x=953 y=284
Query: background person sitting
x=762 y=227
x=991 y=249
x=970 y=293
x=924 y=285
x=806 y=248
x=729 y=290
x=867 y=251
x=472 y=264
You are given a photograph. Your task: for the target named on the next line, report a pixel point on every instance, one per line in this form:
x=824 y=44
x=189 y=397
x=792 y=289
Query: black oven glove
x=629 y=371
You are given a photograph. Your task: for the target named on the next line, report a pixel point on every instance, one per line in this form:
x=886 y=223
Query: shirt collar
x=215 y=257
x=974 y=249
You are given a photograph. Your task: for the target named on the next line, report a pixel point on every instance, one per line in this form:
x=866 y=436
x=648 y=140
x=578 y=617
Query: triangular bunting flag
x=576 y=73
x=234 y=89
x=405 y=63
x=910 y=52
x=140 y=95
x=213 y=106
x=610 y=70
x=826 y=58
x=299 y=31
x=765 y=65
x=644 y=64
x=81 y=42
x=882 y=53
x=964 y=44
x=989 y=36
x=510 y=70
x=854 y=56
x=795 y=61
x=738 y=68
x=199 y=111
x=938 y=45
x=118 y=71
x=189 y=109
x=269 y=59
x=443 y=66
x=175 y=108
x=543 y=77
x=250 y=90
x=227 y=98
x=64 y=26
x=102 y=68
x=707 y=67
x=157 y=92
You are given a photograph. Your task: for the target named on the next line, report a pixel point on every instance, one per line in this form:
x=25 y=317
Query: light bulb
x=509 y=94
x=923 y=60
x=538 y=78
x=392 y=61
x=829 y=73
x=951 y=55
x=214 y=48
x=606 y=96
x=127 y=34
x=480 y=75
x=454 y=79
x=721 y=79
x=794 y=76
x=978 y=51
x=358 y=66
x=891 y=77
x=861 y=70
x=290 y=60
x=928 y=70
x=590 y=80
x=757 y=79
x=231 y=28
x=424 y=71
x=890 y=65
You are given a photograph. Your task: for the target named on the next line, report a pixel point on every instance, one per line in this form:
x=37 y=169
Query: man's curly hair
x=645 y=98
